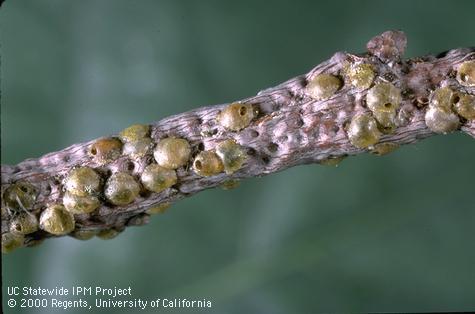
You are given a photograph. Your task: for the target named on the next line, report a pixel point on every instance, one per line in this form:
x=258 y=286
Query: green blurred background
x=392 y=233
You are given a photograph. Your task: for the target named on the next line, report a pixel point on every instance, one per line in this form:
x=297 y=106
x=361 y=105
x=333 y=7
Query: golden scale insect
x=108 y=234
x=24 y=223
x=157 y=178
x=363 y=130
x=231 y=154
x=121 y=189
x=323 y=86
x=82 y=186
x=230 y=184
x=465 y=106
x=466 y=73
x=439 y=116
x=172 y=153
x=383 y=99
x=384 y=148
x=159 y=209
x=11 y=241
x=106 y=150
x=237 y=116
x=137 y=142
x=84 y=234
x=360 y=76
x=18 y=199
x=57 y=220
x=207 y=163
x=332 y=161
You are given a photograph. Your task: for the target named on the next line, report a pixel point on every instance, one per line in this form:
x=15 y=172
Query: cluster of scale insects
x=447 y=107
x=85 y=189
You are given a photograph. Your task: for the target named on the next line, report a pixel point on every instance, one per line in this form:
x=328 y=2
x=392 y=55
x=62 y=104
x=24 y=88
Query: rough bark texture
x=291 y=129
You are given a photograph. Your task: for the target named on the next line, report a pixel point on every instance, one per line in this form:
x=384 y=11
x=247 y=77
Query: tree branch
x=300 y=121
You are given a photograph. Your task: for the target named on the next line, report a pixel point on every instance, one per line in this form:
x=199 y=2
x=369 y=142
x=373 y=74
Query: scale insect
x=19 y=198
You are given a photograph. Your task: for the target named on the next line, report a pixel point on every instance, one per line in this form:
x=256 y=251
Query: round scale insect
x=332 y=161
x=24 y=223
x=387 y=121
x=33 y=242
x=361 y=76
x=136 y=140
x=134 y=133
x=323 y=86
x=139 y=148
x=441 y=121
x=236 y=116
x=384 y=148
x=56 y=220
x=156 y=178
x=83 y=234
x=106 y=150
x=172 y=153
x=383 y=99
x=108 y=234
x=230 y=184
x=232 y=155
x=20 y=196
x=80 y=204
x=11 y=241
x=82 y=181
x=139 y=220
x=207 y=163
x=363 y=131
x=121 y=188
x=443 y=98
x=465 y=106
x=439 y=116
x=159 y=209
x=466 y=73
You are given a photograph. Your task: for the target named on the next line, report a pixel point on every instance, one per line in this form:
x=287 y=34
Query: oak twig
x=291 y=129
